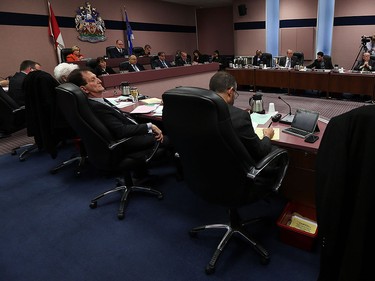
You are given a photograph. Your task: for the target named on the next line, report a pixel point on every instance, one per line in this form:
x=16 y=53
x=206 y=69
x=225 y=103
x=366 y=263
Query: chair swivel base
x=77 y=159
x=124 y=198
x=26 y=153
x=235 y=226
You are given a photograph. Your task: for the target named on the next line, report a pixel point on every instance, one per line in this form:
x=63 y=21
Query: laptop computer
x=303 y=124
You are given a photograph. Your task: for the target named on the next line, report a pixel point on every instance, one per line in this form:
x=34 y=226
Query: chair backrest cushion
x=12 y=116
x=94 y=135
x=214 y=160
x=64 y=53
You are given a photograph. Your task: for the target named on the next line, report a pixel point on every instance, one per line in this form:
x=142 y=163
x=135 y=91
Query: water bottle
x=125 y=88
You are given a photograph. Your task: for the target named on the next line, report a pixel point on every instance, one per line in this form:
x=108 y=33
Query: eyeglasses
x=236 y=94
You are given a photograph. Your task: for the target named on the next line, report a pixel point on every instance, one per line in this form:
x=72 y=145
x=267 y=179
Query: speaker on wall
x=242 y=10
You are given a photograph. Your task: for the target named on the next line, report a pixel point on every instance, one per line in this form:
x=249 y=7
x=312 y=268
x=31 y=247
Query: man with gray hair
x=62 y=71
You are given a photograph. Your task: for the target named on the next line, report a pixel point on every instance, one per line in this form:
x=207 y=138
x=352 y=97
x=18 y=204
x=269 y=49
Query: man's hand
x=157 y=133
x=268 y=132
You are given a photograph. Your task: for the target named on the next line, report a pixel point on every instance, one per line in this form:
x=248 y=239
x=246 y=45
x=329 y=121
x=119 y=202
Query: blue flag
x=129 y=34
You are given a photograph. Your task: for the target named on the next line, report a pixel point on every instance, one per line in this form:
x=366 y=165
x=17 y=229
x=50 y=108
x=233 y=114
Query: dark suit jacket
x=258 y=60
x=317 y=65
x=242 y=124
x=131 y=69
x=120 y=126
x=157 y=63
x=282 y=61
x=15 y=90
x=180 y=62
x=114 y=53
x=360 y=63
x=345 y=196
x=108 y=70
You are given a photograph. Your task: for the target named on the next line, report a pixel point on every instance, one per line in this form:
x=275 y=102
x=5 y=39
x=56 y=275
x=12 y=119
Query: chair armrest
x=113 y=145
x=19 y=109
x=263 y=163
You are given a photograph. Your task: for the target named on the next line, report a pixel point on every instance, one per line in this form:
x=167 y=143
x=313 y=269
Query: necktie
x=287 y=62
x=135 y=67
x=126 y=115
x=165 y=65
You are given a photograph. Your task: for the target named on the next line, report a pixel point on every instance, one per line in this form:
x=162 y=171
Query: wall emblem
x=89 y=24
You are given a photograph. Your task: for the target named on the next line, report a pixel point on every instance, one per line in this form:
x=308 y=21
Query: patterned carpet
x=327 y=109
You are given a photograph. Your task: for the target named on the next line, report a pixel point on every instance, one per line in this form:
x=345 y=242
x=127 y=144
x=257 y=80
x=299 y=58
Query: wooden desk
x=274 y=78
x=115 y=62
x=299 y=182
x=329 y=82
x=156 y=81
x=354 y=83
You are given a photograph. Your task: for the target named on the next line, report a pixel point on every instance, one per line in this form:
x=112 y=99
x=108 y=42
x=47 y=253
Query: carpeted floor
x=48 y=232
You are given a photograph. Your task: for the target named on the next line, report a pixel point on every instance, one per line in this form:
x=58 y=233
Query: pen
x=270 y=125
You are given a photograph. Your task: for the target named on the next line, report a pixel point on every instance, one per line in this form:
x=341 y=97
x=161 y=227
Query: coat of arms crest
x=89 y=24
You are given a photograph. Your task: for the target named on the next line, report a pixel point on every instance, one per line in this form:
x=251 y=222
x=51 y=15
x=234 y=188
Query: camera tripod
x=363 y=48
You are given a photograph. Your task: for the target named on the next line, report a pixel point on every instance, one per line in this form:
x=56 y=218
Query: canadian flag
x=54 y=32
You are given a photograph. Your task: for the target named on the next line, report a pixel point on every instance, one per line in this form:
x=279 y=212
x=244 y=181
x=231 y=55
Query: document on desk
x=261 y=118
x=276 y=136
x=152 y=101
x=120 y=102
x=158 y=111
x=144 y=109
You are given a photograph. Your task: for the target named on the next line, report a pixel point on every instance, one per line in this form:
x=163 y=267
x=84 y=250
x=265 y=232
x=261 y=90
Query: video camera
x=365 y=39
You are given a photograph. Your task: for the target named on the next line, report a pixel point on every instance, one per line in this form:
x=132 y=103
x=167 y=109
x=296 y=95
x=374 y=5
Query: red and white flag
x=54 y=32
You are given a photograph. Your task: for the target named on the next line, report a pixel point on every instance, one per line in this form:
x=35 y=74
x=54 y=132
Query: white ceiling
x=202 y=3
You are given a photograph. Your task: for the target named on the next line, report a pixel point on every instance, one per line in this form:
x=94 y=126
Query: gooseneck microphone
x=287 y=119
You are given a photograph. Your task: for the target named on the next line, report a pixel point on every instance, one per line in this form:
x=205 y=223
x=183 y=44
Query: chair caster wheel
x=13 y=153
x=160 y=196
x=193 y=233
x=53 y=172
x=264 y=260
x=93 y=205
x=120 y=216
x=210 y=269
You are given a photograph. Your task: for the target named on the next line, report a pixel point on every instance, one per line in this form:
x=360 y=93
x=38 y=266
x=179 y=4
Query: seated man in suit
x=161 y=62
x=102 y=68
x=367 y=64
x=120 y=124
x=321 y=62
x=258 y=58
x=119 y=51
x=289 y=60
x=15 y=90
x=133 y=65
x=224 y=84
x=183 y=59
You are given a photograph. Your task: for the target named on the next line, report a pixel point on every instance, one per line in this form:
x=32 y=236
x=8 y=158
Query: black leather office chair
x=300 y=57
x=216 y=165
x=124 y=66
x=64 y=53
x=104 y=152
x=12 y=116
x=108 y=51
x=92 y=64
x=153 y=59
x=45 y=121
x=328 y=62
x=267 y=59
x=138 y=51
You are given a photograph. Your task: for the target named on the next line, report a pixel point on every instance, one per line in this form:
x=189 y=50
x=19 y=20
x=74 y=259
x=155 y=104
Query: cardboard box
x=293 y=236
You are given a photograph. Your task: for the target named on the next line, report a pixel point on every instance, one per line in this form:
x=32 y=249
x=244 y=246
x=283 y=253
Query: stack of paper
x=303 y=223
